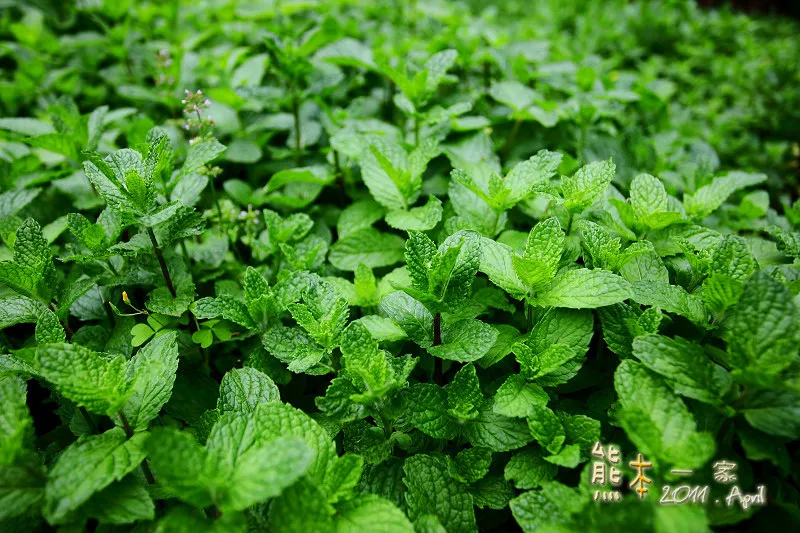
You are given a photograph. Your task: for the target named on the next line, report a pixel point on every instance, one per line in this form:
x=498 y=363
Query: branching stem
x=437 y=340
x=298 y=142
x=148 y=474
x=89 y=422
x=510 y=139
x=161 y=262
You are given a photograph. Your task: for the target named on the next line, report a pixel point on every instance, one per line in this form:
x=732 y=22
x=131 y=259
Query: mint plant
x=293 y=266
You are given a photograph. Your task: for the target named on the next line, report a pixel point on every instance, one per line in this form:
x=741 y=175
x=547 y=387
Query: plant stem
x=582 y=141
x=387 y=426
x=213 y=512
x=437 y=340
x=64 y=323
x=194 y=327
x=416 y=130
x=336 y=165
x=297 y=139
x=89 y=422
x=388 y=103
x=112 y=267
x=161 y=262
x=215 y=199
x=148 y=474
x=510 y=138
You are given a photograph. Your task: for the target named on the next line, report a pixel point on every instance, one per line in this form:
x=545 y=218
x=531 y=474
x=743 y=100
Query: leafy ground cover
x=343 y=267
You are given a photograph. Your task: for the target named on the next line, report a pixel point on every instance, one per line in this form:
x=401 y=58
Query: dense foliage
x=347 y=266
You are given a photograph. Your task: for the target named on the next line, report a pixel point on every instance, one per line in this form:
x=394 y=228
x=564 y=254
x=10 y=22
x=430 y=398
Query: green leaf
x=200 y=154
x=602 y=247
x=367 y=246
x=465 y=341
x=151 y=373
x=470 y=465
x=358 y=215
x=179 y=464
x=347 y=51
x=48 y=328
x=685 y=365
x=732 y=257
x=464 y=395
x=343 y=477
x=431 y=491
x=788 y=242
x=87 y=466
x=19 y=310
x=371 y=513
x=651 y=205
x=31 y=272
x=554 y=504
x=539 y=262
x=122 y=502
x=301 y=508
x=323 y=313
x=775 y=413
x=410 y=315
x=545 y=243
x=228 y=307
x=293 y=346
x=657 y=421
x=16 y=425
x=587 y=185
x=382 y=329
x=242 y=389
x=517 y=398
x=535 y=365
x=161 y=300
x=436 y=67
x=671 y=298
x=513 y=94
x=363 y=360
x=283 y=420
x=26 y=126
x=640 y=262
x=367 y=441
x=546 y=428
x=422 y=218
x=108 y=178
x=20 y=488
x=250 y=72
x=568 y=457
x=496 y=432
x=13 y=201
x=444 y=274
x=318 y=175
x=259 y=472
x=382 y=168
x=524 y=178
x=492 y=491
x=427 y=410
x=762 y=332
x=497 y=262
x=584 y=289
x=527 y=469
x=140 y=333
x=87 y=378
x=648 y=196
x=564 y=327
x=420 y=252
x=708 y=198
